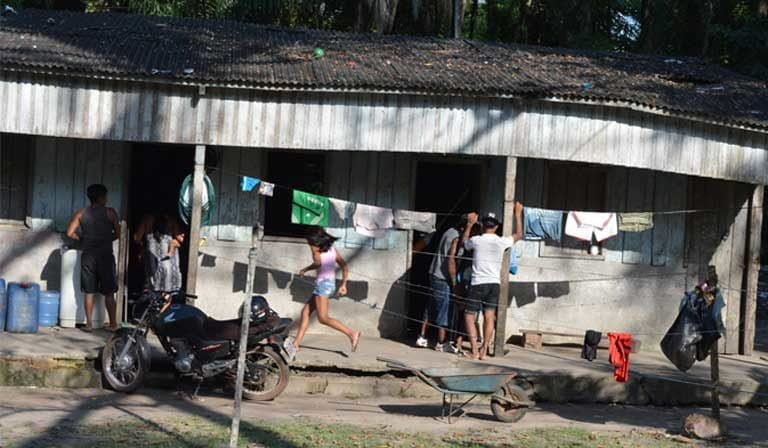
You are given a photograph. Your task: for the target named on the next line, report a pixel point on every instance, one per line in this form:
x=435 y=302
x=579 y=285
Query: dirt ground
x=39 y=417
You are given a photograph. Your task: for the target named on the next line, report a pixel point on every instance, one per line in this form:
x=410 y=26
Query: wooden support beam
x=753 y=269
x=508 y=222
x=122 y=267
x=194 y=224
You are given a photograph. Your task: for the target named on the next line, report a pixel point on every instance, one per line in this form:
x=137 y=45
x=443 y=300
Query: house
x=139 y=102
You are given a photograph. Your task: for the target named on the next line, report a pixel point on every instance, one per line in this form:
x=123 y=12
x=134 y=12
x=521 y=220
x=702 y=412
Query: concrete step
x=559 y=387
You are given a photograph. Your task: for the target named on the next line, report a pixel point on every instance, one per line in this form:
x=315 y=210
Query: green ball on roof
x=318 y=53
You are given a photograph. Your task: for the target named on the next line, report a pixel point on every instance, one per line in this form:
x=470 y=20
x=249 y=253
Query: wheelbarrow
x=509 y=402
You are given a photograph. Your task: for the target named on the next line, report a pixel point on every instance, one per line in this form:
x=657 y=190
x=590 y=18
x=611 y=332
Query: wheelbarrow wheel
x=509 y=412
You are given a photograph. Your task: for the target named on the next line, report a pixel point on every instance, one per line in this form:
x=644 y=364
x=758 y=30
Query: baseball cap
x=490 y=220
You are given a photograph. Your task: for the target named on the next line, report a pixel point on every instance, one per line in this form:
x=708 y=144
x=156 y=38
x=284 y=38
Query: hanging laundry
x=635 y=222
x=696 y=329
x=266 y=189
x=310 y=209
x=583 y=225
x=249 y=183
x=620 y=345
x=419 y=221
x=540 y=224
x=372 y=221
x=591 y=341
x=341 y=211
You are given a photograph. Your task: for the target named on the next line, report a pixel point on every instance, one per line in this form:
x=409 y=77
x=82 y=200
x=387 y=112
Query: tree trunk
x=362 y=17
x=698 y=15
x=645 y=41
x=473 y=19
x=492 y=19
x=458 y=6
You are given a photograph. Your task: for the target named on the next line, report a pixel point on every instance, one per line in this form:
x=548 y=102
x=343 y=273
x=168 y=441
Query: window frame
x=268 y=237
x=565 y=249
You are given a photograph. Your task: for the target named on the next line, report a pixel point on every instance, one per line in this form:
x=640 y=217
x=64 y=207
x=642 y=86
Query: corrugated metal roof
x=235 y=53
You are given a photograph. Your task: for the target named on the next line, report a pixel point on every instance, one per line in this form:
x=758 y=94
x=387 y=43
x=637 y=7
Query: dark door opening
x=448 y=189
x=157 y=172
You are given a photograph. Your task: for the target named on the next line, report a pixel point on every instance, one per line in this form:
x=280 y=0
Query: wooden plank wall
x=101 y=109
x=62 y=170
x=376 y=179
x=626 y=190
x=236 y=211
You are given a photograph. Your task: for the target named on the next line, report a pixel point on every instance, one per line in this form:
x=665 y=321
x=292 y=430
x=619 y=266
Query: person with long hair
x=324 y=261
x=162 y=266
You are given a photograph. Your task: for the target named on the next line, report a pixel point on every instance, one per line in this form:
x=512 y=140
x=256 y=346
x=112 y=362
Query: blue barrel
x=23 y=307
x=48 y=312
x=3 y=304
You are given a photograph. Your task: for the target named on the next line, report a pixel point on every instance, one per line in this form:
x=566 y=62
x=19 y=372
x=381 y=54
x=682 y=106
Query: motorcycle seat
x=222 y=329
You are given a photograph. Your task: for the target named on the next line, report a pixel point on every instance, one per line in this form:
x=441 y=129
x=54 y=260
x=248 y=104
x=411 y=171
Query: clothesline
x=564 y=212
x=421 y=289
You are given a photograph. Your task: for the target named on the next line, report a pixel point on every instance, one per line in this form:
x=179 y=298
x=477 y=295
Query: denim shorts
x=325 y=288
x=440 y=304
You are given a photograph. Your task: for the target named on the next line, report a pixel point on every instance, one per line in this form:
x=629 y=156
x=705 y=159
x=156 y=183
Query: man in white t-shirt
x=489 y=251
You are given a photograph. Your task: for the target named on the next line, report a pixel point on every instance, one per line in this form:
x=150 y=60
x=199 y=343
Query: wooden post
x=753 y=269
x=715 y=374
x=509 y=219
x=194 y=222
x=235 y=430
x=122 y=266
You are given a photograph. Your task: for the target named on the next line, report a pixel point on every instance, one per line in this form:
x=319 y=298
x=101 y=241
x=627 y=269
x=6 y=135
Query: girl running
x=324 y=261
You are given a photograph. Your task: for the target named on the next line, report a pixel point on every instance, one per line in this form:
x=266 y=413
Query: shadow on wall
x=299 y=288
x=525 y=293
x=393 y=316
x=51 y=273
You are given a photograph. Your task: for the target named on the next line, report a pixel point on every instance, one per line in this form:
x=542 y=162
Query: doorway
x=448 y=188
x=157 y=172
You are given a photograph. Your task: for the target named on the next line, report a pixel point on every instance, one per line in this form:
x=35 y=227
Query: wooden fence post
x=508 y=223
x=246 y=322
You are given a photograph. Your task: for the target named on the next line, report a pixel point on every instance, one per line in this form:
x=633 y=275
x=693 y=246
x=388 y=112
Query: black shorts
x=485 y=297
x=98 y=273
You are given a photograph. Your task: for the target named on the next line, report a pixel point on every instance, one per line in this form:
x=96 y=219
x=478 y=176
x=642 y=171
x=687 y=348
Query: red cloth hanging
x=620 y=344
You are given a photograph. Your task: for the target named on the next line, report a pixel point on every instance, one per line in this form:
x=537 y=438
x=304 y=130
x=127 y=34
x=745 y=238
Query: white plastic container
x=72 y=308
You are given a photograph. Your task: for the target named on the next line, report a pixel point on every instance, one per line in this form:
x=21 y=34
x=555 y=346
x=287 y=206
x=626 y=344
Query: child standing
x=324 y=261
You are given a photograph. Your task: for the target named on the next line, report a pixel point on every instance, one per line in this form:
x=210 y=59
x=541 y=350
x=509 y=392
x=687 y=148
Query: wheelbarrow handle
x=395 y=364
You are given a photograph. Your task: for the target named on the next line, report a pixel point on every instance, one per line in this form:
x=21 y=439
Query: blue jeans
x=440 y=304
x=542 y=224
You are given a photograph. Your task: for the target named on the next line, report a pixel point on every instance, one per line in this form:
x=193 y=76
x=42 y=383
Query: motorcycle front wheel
x=266 y=375
x=126 y=374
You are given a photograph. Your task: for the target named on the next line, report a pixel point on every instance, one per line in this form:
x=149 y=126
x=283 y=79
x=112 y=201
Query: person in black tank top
x=96 y=227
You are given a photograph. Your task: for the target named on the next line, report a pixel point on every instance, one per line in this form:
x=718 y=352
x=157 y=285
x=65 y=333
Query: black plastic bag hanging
x=680 y=343
x=695 y=330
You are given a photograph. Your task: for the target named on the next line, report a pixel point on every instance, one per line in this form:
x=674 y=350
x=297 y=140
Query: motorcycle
x=200 y=347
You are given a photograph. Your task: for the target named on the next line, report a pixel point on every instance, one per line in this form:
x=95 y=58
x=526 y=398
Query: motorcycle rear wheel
x=266 y=375
x=128 y=377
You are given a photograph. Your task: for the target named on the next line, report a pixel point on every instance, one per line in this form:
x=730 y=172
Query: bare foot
x=356 y=341
x=87 y=329
x=483 y=353
x=111 y=327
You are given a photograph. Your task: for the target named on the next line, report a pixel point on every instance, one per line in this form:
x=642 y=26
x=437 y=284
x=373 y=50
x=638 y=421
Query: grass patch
x=300 y=433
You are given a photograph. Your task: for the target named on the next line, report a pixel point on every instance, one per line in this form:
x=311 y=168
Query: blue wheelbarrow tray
x=470 y=379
